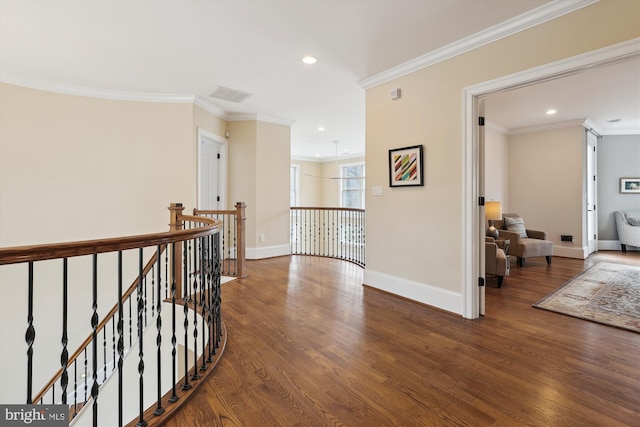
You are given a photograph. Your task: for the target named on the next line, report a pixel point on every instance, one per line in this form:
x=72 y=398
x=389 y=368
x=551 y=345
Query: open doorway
x=473 y=211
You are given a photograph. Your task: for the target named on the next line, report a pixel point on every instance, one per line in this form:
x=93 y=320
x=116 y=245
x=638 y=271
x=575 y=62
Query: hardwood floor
x=308 y=345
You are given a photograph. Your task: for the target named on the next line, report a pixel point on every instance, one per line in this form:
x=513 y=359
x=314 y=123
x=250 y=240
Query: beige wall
x=272 y=185
x=310 y=183
x=496 y=166
x=546 y=183
x=76 y=168
x=259 y=159
x=415 y=235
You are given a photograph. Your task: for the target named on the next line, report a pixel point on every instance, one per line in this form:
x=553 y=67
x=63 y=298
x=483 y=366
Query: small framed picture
x=406 y=167
x=630 y=185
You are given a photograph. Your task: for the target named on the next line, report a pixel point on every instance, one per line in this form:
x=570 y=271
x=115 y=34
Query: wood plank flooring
x=308 y=345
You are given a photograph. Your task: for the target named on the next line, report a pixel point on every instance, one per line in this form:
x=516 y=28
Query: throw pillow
x=516 y=224
x=633 y=220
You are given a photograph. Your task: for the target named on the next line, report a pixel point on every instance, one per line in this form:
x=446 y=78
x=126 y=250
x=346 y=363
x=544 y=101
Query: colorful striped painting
x=406 y=167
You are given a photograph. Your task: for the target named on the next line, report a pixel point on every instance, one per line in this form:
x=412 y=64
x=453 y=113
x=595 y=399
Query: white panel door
x=209 y=153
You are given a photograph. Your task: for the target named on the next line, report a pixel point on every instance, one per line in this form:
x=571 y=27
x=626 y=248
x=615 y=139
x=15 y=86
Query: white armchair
x=628 y=225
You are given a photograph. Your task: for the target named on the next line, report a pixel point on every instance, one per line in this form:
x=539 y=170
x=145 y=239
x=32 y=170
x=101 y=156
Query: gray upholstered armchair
x=525 y=243
x=628 y=226
x=495 y=260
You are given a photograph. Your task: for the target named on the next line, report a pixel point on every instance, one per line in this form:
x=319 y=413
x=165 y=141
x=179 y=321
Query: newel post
x=241 y=255
x=175 y=224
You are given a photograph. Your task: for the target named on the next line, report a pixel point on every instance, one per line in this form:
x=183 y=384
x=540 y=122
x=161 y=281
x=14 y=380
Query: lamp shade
x=493 y=210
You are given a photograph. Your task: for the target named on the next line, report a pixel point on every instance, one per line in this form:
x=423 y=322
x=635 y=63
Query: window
x=294 y=185
x=352 y=190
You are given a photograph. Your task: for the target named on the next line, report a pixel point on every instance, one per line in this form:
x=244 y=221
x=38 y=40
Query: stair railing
x=232 y=238
x=329 y=232
x=182 y=269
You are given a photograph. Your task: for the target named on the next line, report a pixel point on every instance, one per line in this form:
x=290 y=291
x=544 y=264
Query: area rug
x=606 y=293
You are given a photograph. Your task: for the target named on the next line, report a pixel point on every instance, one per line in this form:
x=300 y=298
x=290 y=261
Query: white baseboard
x=568 y=252
x=268 y=251
x=614 y=245
x=421 y=292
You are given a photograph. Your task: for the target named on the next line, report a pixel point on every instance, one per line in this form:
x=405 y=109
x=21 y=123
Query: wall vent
x=227 y=94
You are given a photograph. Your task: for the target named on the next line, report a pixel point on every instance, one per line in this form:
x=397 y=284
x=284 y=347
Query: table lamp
x=493 y=211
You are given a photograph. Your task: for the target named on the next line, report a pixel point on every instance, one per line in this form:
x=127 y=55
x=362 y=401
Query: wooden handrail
x=240 y=214
x=20 y=254
x=300 y=208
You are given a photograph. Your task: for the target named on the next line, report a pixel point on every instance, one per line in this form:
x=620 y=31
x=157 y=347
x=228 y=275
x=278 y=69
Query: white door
x=209 y=151
x=212 y=170
x=592 y=184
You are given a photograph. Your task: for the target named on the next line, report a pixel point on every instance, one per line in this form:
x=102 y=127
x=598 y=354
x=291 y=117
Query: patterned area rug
x=606 y=293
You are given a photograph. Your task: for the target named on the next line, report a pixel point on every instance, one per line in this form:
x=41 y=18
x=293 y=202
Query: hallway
x=308 y=345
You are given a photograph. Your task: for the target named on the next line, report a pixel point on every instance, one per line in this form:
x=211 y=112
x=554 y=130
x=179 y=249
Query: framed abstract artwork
x=630 y=185
x=406 y=167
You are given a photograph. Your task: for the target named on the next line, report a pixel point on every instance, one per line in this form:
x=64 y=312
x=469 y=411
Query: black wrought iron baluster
x=64 y=357
x=159 y=409
x=120 y=342
x=196 y=268
x=166 y=272
x=144 y=297
x=185 y=311
x=129 y=298
x=140 y=294
x=94 y=327
x=75 y=388
x=113 y=338
x=104 y=353
x=86 y=373
x=218 y=320
x=30 y=336
x=204 y=267
x=209 y=304
x=153 y=290
x=174 y=397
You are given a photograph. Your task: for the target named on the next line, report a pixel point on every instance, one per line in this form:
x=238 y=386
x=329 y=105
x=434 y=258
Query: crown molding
x=210 y=107
x=100 y=93
x=507 y=28
x=239 y=117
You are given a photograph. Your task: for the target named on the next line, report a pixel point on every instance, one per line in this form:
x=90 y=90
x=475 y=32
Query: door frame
x=472 y=213
x=207 y=136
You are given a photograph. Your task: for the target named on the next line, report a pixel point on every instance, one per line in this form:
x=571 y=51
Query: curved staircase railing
x=329 y=232
x=109 y=372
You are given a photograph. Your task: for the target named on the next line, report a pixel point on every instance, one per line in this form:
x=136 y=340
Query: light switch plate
x=377 y=191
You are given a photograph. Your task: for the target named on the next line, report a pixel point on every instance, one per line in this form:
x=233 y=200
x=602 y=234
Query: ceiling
x=189 y=48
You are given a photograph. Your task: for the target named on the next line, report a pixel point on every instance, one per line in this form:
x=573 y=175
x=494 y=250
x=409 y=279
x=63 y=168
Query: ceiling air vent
x=227 y=94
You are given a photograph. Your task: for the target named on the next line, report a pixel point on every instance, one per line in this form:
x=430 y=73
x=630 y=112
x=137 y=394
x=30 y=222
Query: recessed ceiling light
x=317 y=154
x=550 y=112
x=309 y=60
x=320 y=129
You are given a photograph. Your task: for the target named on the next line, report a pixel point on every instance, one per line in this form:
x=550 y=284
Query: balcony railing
x=329 y=232
x=143 y=353
x=232 y=238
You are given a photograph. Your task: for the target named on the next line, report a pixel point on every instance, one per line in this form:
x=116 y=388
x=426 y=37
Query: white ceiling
x=189 y=47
